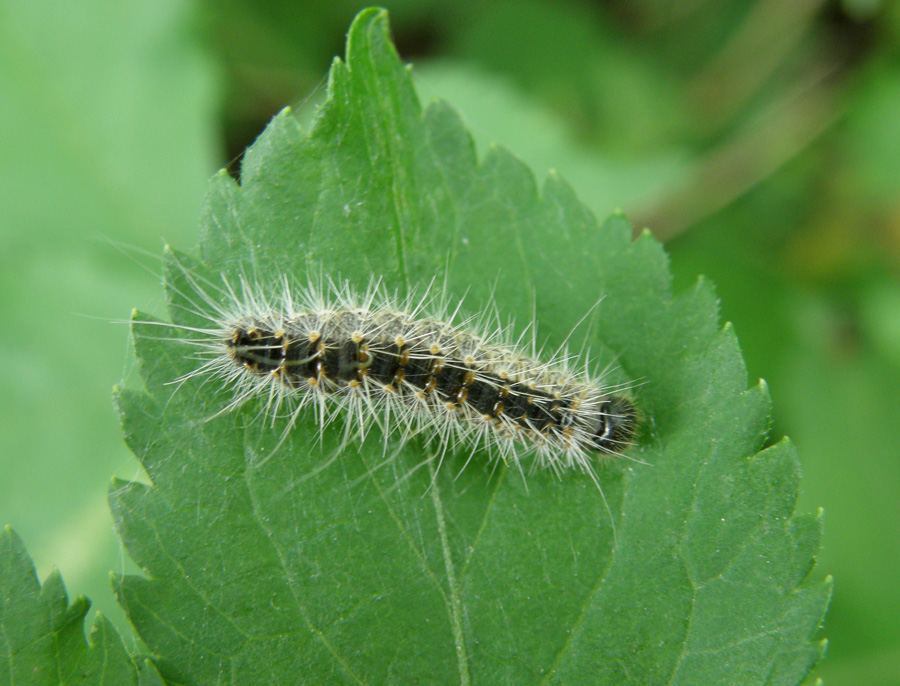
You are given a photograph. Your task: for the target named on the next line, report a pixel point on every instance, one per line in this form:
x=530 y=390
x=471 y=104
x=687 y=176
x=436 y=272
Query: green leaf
x=498 y=113
x=42 y=635
x=304 y=563
x=102 y=97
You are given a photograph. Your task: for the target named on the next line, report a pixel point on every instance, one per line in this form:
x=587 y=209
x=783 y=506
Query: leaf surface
x=267 y=566
x=42 y=634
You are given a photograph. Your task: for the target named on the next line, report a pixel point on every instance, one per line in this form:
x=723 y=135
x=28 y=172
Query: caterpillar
x=405 y=366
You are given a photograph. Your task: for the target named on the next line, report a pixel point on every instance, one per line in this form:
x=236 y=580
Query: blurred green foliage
x=759 y=138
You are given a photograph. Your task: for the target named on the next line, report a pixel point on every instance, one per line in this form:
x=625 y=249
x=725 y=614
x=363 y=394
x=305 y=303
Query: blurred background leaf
x=760 y=140
x=107 y=113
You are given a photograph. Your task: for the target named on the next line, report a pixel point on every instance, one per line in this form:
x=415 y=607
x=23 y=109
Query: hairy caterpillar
x=403 y=365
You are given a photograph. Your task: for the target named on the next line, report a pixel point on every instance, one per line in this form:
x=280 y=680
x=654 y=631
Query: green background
x=759 y=140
